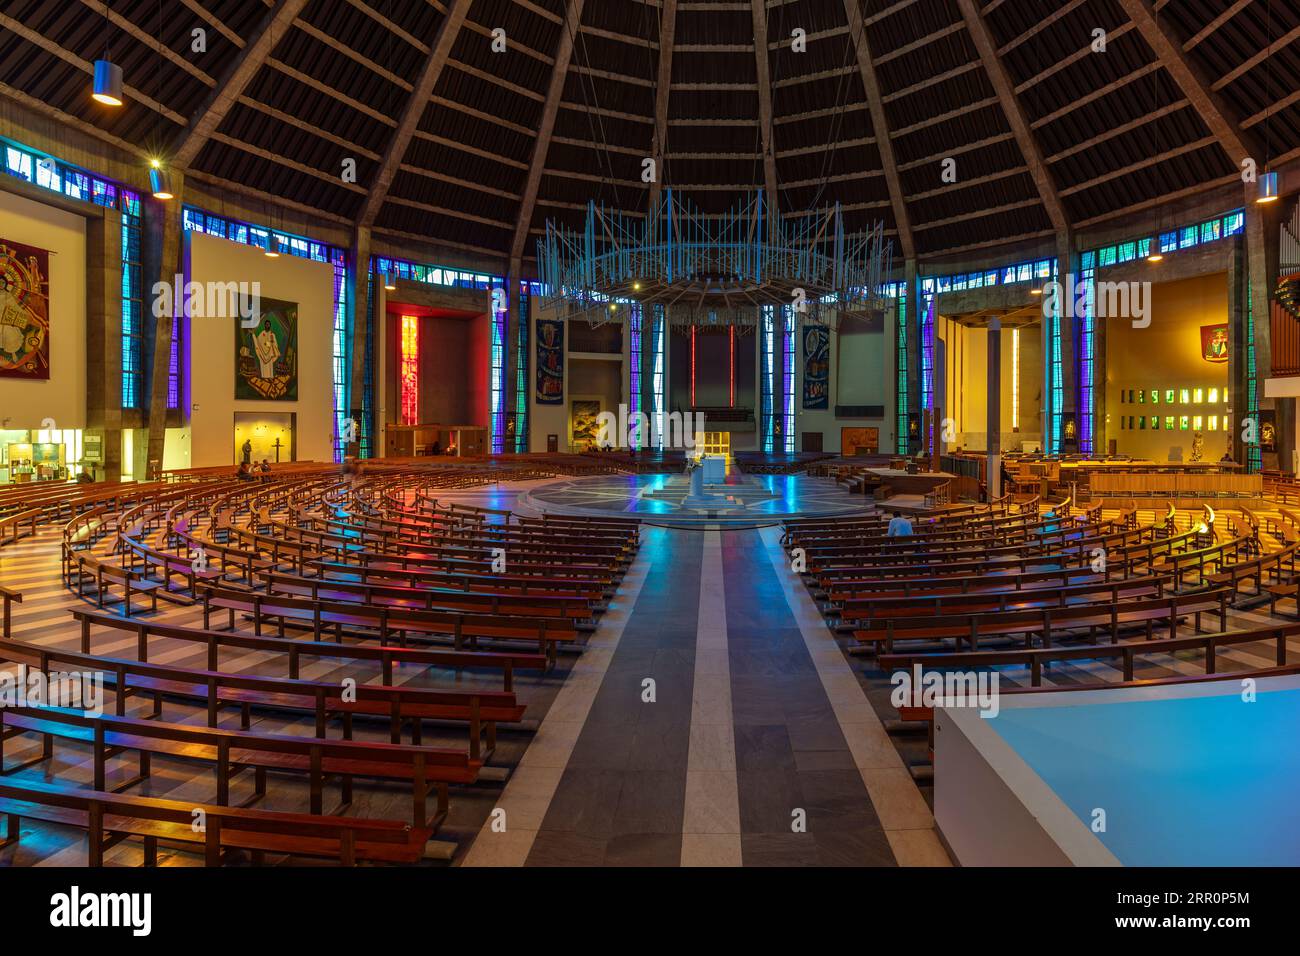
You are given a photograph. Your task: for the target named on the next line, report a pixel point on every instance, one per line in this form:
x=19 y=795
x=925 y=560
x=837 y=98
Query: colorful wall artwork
x=816 y=366
x=266 y=355
x=859 y=441
x=583 y=416
x=1214 y=343
x=550 y=362
x=24 y=311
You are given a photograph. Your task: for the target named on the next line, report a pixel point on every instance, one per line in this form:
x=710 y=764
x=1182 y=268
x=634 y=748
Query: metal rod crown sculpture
x=715 y=270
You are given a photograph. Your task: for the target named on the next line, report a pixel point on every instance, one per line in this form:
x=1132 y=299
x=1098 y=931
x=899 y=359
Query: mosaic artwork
x=1214 y=343
x=817 y=366
x=266 y=355
x=550 y=362
x=24 y=311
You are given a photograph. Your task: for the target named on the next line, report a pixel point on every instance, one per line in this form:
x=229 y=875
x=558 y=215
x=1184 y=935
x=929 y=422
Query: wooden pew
x=973 y=627
x=480 y=710
x=233 y=751
x=295 y=649
x=110 y=817
x=389 y=623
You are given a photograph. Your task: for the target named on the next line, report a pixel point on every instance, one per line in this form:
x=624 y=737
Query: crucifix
x=277 y=446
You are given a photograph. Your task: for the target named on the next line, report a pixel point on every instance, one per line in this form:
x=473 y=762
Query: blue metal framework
x=728 y=263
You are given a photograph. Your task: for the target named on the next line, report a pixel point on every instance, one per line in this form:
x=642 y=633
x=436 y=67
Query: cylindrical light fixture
x=1153 y=251
x=1267 y=188
x=273 y=247
x=389 y=284
x=158 y=183
x=108 y=83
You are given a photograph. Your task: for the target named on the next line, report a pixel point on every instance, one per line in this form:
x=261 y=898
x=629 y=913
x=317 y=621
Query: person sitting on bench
x=85 y=478
x=899 y=527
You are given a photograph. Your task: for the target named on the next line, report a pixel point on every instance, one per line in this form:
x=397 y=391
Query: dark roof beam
x=546 y=125
x=758 y=16
x=1015 y=114
x=243 y=68
x=880 y=126
x=1210 y=105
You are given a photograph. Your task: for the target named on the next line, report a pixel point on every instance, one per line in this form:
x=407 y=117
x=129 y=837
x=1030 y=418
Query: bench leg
x=13 y=827
x=212 y=845
x=95 y=835
x=150 y=851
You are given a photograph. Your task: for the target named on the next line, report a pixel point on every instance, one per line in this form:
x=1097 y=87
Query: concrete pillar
x=162 y=239
x=1261 y=254
x=104 y=339
x=1237 y=348
x=993 y=404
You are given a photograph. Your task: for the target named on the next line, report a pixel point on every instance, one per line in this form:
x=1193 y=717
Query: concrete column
x=1261 y=255
x=993 y=405
x=1237 y=347
x=104 y=339
x=162 y=238
x=359 y=316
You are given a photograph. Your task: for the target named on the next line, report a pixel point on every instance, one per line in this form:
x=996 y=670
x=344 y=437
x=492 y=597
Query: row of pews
x=1030 y=589
x=309 y=644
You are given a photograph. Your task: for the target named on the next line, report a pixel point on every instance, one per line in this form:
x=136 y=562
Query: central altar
x=707 y=473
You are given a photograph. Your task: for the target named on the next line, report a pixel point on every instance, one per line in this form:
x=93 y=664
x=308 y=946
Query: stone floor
x=713 y=720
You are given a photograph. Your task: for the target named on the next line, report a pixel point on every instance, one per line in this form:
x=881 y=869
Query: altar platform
x=744 y=500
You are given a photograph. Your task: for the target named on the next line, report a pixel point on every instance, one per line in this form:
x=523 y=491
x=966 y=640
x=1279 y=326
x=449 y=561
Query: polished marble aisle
x=712 y=721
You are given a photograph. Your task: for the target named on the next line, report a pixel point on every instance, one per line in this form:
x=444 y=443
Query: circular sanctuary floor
x=745 y=501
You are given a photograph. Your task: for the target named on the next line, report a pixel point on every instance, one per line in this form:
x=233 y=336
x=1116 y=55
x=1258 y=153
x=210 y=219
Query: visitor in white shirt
x=899 y=527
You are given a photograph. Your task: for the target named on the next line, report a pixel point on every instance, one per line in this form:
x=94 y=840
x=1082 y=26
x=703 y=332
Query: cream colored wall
x=545 y=420
x=212 y=350
x=63 y=396
x=966 y=385
x=861 y=373
x=1166 y=355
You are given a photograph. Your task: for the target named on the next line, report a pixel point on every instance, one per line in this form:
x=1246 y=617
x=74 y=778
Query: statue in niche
x=1198 y=446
